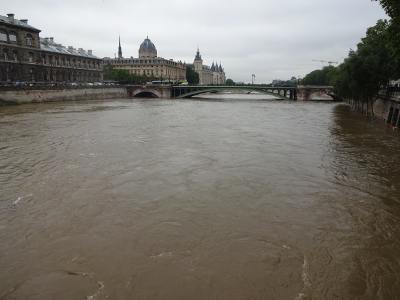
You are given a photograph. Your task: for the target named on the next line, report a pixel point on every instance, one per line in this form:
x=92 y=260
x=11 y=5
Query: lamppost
x=253 y=77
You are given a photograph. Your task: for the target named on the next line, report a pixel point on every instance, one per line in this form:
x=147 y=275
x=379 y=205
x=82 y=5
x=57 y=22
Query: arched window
x=32 y=73
x=13 y=37
x=51 y=75
x=45 y=75
x=3 y=35
x=8 y=71
x=31 y=56
x=29 y=39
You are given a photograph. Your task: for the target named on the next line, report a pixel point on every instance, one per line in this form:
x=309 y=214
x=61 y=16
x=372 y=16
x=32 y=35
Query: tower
x=198 y=62
x=119 y=49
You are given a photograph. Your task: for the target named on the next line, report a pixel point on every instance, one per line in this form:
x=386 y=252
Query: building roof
x=15 y=22
x=47 y=44
x=147 y=45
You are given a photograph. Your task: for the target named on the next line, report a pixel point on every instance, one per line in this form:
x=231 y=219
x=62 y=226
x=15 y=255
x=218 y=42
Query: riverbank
x=21 y=95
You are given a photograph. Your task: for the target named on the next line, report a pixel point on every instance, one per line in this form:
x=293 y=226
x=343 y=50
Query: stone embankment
x=20 y=95
x=387 y=108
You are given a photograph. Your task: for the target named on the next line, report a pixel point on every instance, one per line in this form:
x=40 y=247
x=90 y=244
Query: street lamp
x=253 y=77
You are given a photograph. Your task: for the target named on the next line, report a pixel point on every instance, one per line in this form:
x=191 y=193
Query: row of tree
x=370 y=67
x=121 y=75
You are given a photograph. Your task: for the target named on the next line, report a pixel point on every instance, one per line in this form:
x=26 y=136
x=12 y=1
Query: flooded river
x=237 y=197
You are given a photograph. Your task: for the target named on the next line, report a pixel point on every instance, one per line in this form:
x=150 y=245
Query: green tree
x=192 y=76
x=319 y=77
x=392 y=9
x=108 y=71
x=229 y=82
x=366 y=70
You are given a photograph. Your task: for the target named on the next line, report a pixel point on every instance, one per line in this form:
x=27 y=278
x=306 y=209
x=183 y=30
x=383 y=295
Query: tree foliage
x=392 y=9
x=319 y=77
x=367 y=69
x=123 y=75
x=229 y=82
x=192 y=76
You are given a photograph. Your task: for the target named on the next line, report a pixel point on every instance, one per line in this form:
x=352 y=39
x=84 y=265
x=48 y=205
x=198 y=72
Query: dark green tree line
x=319 y=77
x=366 y=70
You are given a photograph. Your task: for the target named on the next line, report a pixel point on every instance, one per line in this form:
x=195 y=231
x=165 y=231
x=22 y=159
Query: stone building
x=25 y=56
x=208 y=75
x=148 y=63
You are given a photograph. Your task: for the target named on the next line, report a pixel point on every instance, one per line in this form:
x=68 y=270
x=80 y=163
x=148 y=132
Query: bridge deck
x=279 y=92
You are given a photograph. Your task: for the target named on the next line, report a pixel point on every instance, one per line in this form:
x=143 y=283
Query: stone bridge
x=149 y=91
x=302 y=93
x=308 y=92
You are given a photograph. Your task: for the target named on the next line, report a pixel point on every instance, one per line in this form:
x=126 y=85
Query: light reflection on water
x=233 y=197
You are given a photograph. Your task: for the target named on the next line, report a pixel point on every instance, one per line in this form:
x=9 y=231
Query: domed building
x=148 y=63
x=147 y=49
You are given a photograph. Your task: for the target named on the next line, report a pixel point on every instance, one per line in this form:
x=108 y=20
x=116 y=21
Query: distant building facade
x=148 y=63
x=208 y=75
x=25 y=56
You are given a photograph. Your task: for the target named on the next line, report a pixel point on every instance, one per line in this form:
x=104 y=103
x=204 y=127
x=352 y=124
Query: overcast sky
x=272 y=39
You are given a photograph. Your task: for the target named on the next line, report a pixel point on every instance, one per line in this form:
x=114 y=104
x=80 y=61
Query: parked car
x=50 y=84
x=89 y=83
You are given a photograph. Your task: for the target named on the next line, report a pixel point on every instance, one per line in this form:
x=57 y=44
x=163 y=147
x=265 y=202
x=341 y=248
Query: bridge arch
x=146 y=94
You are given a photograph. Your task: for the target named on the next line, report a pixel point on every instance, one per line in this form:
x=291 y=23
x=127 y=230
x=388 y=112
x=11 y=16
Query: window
x=13 y=37
x=44 y=59
x=3 y=35
x=15 y=55
x=32 y=73
x=29 y=39
x=30 y=57
x=5 y=54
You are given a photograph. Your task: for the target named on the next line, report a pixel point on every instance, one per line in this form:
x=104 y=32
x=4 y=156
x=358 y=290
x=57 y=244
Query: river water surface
x=237 y=197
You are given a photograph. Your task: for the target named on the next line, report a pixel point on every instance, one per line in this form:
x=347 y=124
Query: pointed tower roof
x=198 y=56
x=119 y=48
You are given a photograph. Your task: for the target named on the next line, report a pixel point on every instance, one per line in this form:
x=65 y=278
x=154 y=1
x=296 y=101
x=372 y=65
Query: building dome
x=147 y=49
x=147 y=45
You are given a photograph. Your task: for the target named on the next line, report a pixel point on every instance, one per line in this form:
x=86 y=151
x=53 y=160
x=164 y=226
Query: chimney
x=90 y=52
x=52 y=39
x=59 y=46
x=80 y=50
x=24 y=21
x=70 y=48
x=10 y=17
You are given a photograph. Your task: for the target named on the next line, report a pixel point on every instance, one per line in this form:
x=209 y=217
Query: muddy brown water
x=236 y=197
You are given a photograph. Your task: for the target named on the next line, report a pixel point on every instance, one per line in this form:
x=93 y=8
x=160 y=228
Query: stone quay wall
x=383 y=104
x=21 y=95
